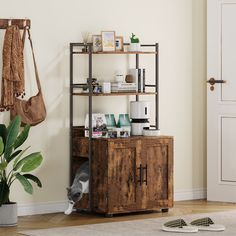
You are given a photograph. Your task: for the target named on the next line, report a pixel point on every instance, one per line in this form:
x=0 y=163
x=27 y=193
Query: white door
x=221 y=101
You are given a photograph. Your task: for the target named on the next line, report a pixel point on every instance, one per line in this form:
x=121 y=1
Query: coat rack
x=4 y=23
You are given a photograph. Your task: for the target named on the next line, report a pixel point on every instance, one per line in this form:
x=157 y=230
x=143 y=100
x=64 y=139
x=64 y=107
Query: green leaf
x=12 y=132
x=33 y=178
x=3 y=165
x=22 y=137
x=1 y=146
x=25 y=183
x=3 y=132
x=15 y=154
x=33 y=162
x=30 y=162
x=18 y=158
x=4 y=193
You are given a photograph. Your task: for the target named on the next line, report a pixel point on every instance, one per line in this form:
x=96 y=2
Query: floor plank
x=61 y=220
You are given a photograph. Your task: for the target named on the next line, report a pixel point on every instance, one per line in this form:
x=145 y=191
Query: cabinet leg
x=164 y=209
x=108 y=215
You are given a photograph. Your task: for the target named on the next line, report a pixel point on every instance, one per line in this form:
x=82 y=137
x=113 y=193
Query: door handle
x=213 y=81
x=145 y=169
x=140 y=174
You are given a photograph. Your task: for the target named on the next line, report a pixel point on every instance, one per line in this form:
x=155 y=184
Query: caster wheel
x=165 y=210
x=108 y=215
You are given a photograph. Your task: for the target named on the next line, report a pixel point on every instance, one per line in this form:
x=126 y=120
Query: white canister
x=139 y=110
x=106 y=87
x=137 y=128
x=119 y=76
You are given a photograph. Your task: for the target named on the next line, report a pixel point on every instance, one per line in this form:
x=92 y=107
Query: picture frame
x=119 y=44
x=108 y=41
x=97 y=43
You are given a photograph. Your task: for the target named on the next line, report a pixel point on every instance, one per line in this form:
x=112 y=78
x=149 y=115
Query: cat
x=79 y=187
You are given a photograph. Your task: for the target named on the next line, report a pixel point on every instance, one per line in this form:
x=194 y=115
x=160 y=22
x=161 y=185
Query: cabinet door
x=155 y=190
x=121 y=176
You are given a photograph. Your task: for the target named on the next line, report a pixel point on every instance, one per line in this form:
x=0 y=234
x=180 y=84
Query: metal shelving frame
x=90 y=95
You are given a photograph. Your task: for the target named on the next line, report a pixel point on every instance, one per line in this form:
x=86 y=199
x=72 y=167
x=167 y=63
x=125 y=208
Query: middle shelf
x=114 y=94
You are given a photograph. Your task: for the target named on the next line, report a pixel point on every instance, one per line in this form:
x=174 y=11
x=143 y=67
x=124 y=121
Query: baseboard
x=53 y=207
x=190 y=194
x=42 y=208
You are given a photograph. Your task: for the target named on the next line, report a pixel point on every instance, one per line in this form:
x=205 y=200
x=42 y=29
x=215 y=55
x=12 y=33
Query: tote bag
x=33 y=110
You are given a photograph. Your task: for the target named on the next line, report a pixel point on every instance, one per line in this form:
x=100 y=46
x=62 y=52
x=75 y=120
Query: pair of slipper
x=181 y=226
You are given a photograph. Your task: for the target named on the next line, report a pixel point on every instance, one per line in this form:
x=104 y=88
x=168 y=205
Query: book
x=137 y=75
x=139 y=81
x=123 y=87
x=144 y=79
x=99 y=125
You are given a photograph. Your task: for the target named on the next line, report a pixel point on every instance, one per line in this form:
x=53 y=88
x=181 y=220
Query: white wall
x=179 y=27
x=199 y=92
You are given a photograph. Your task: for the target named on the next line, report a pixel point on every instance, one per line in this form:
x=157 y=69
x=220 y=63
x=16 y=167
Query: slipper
x=179 y=226
x=207 y=224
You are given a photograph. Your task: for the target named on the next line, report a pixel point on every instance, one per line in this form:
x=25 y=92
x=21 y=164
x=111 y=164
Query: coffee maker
x=139 y=114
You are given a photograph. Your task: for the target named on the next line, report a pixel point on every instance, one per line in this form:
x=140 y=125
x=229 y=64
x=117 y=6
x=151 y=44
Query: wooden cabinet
x=132 y=174
x=129 y=174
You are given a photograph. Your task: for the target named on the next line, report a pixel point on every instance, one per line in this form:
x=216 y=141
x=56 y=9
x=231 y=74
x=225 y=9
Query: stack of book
x=139 y=79
x=123 y=87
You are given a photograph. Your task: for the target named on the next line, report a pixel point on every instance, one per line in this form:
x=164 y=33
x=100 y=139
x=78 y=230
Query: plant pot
x=8 y=214
x=134 y=47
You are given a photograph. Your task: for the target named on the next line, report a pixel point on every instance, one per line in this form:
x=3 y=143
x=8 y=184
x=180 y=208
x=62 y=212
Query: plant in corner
x=15 y=165
x=134 y=43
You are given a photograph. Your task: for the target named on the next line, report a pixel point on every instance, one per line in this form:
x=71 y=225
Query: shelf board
x=115 y=94
x=117 y=52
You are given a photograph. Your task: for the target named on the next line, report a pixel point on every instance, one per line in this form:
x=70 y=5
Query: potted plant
x=134 y=43
x=15 y=165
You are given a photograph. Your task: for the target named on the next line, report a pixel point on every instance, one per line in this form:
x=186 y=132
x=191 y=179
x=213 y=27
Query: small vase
x=134 y=47
x=110 y=119
x=123 y=120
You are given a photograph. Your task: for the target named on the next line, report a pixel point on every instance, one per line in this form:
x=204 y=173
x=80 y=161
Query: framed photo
x=119 y=43
x=108 y=41
x=97 y=43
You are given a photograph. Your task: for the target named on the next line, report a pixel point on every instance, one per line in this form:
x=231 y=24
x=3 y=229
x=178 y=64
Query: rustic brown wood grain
x=120 y=52
x=115 y=94
x=20 y=22
x=116 y=173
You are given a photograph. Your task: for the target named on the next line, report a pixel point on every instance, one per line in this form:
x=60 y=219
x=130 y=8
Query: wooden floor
x=61 y=220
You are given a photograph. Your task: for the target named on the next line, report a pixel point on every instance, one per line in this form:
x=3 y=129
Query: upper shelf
x=145 y=49
x=117 y=52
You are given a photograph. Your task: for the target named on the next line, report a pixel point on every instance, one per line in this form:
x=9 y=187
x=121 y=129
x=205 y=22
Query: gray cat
x=79 y=187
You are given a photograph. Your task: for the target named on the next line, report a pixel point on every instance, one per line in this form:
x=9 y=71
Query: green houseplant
x=15 y=165
x=134 y=43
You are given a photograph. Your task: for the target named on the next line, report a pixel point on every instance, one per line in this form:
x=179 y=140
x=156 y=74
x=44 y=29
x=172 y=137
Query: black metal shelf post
x=71 y=108
x=90 y=127
x=157 y=85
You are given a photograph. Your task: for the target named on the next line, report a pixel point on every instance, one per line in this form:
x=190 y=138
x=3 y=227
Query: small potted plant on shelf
x=14 y=165
x=134 y=43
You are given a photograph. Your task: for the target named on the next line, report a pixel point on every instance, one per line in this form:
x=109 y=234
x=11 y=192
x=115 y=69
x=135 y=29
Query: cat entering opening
x=79 y=186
